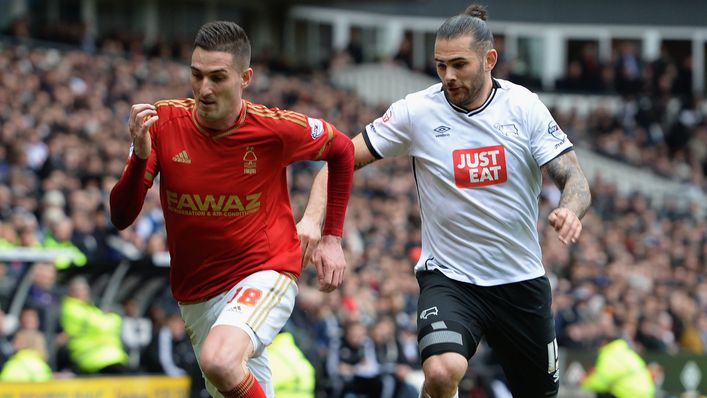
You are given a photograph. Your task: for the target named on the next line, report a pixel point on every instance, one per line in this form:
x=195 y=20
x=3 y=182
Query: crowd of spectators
x=661 y=125
x=638 y=270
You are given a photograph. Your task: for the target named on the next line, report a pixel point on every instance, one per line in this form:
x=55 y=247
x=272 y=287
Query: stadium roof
x=630 y=12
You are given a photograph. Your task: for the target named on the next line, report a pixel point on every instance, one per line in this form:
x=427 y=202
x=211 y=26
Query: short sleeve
x=389 y=135
x=547 y=140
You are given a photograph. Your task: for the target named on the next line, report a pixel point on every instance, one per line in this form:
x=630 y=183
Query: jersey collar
x=494 y=86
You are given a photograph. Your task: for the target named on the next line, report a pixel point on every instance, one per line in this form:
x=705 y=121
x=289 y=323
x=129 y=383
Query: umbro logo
x=181 y=157
x=441 y=131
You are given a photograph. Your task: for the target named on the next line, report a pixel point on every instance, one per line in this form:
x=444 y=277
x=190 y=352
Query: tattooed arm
x=309 y=227
x=362 y=155
x=575 y=199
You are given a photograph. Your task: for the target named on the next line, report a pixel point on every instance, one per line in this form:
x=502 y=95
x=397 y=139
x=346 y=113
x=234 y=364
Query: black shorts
x=516 y=320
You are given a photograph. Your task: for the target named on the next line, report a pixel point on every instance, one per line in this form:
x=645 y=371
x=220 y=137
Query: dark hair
x=227 y=37
x=472 y=22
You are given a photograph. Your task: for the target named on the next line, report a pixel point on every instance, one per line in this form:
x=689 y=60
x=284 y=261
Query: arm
x=309 y=226
x=128 y=195
x=328 y=257
x=575 y=199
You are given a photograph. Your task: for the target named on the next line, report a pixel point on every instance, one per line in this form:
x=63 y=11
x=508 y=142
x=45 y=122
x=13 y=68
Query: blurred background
x=624 y=79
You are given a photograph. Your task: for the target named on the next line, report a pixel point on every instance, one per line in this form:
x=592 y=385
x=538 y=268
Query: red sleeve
x=340 y=159
x=128 y=195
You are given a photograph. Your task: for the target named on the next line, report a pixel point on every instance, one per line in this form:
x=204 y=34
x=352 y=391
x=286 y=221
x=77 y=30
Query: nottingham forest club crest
x=249 y=161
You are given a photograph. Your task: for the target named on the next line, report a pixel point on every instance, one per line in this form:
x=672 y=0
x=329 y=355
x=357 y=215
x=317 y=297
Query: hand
x=345 y=369
x=566 y=223
x=309 y=236
x=330 y=263
x=142 y=116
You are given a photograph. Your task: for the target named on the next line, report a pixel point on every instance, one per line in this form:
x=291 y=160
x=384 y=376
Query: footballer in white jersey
x=478 y=177
x=478 y=146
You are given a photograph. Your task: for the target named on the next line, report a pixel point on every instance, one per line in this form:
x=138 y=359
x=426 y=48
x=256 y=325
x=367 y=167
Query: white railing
x=380 y=84
x=631 y=179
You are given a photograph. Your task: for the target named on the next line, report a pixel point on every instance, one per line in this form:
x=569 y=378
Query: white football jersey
x=478 y=178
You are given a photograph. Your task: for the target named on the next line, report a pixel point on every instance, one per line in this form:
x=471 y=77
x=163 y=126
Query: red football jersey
x=224 y=195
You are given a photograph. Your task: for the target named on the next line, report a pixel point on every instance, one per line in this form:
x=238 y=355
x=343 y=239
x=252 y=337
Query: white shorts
x=260 y=305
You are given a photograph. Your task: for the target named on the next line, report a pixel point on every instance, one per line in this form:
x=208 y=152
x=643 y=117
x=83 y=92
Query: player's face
x=217 y=83
x=463 y=71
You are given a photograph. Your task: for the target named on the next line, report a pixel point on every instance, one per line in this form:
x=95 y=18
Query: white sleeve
x=547 y=140
x=389 y=135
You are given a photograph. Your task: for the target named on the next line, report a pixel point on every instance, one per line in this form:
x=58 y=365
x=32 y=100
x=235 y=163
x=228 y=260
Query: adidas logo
x=181 y=157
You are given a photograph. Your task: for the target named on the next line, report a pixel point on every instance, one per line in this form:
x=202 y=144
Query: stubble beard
x=466 y=101
x=474 y=90
x=208 y=115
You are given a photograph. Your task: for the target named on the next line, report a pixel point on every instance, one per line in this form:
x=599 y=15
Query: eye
x=218 y=78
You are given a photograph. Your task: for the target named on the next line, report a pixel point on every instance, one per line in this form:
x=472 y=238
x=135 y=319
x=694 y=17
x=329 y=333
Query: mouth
x=453 y=90
x=207 y=103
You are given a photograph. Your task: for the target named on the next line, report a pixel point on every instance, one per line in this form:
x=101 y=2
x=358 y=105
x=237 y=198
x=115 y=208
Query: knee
x=221 y=364
x=217 y=364
x=443 y=373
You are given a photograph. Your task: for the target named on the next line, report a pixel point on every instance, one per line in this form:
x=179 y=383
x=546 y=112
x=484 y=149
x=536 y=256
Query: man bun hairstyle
x=476 y=10
x=473 y=23
x=227 y=37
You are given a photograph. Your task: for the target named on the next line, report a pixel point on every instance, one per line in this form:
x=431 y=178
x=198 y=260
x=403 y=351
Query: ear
x=246 y=77
x=490 y=60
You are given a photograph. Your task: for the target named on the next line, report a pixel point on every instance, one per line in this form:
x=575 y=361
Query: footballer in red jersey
x=235 y=252
x=224 y=194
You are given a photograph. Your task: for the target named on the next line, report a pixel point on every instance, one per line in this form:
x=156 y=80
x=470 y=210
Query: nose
x=202 y=87
x=205 y=88
x=449 y=76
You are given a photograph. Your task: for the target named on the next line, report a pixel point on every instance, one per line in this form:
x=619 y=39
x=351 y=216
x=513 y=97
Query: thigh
x=523 y=337
x=260 y=304
x=199 y=318
x=448 y=319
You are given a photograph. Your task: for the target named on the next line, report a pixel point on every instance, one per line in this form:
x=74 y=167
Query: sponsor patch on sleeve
x=316 y=127
x=554 y=130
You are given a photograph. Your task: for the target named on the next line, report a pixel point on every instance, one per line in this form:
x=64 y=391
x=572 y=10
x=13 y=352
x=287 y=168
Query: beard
x=469 y=92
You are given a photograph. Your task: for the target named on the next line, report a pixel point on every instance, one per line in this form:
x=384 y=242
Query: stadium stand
x=639 y=269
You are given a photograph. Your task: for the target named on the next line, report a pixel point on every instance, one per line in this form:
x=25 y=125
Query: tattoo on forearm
x=566 y=173
x=359 y=165
x=576 y=196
